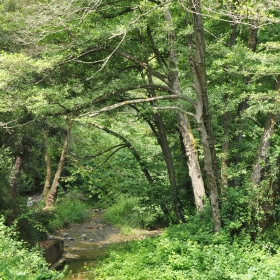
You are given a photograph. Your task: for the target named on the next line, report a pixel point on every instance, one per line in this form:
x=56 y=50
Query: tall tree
x=184 y=125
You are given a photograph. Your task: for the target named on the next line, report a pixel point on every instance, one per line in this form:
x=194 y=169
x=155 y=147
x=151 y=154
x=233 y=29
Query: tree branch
x=135 y=60
x=174 y=108
x=133 y=101
x=132 y=150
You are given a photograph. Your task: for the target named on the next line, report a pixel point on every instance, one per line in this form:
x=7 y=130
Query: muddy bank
x=88 y=242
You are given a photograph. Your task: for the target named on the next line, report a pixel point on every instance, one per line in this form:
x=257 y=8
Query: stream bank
x=87 y=243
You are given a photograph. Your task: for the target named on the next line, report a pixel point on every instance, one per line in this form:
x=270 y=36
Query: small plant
x=68 y=210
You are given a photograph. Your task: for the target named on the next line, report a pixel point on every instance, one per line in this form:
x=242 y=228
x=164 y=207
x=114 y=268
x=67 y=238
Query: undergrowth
x=18 y=262
x=191 y=251
x=129 y=211
x=68 y=210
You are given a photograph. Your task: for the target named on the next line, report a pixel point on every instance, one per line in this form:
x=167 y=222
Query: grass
x=129 y=212
x=68 y=210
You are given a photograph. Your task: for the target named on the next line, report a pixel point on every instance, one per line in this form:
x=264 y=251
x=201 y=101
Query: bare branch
x=174 y=108
x=109 y=56
x=133 y=101
x=146 y=86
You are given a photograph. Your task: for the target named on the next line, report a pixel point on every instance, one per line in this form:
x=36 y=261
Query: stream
x=87 y=243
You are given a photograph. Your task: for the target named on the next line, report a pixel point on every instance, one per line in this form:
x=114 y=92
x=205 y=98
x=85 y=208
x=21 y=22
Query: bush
x=33 y=225
x=18 y=262
x=68 y=210
x=129 y=211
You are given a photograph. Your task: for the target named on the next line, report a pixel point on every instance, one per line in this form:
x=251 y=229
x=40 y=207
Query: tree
x=50 y=199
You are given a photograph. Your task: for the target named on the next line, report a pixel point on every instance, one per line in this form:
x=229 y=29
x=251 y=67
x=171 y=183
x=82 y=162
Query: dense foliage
x=158 y=109
x=18 y=262
x=189 y=251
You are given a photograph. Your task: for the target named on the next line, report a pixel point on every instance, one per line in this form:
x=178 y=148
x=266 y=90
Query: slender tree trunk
x=132 y=150
x=198 y=68
x=226 y=121
x=252 y=38
x=184 y=125
x=261 y=157
x=47 y=185
x=50 y=199
x=162 y=138
x=267 y=204
x=164 y=144
x=225 y=151
x=14 y=180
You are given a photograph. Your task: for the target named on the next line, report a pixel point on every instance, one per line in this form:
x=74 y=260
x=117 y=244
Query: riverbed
x=88 y=243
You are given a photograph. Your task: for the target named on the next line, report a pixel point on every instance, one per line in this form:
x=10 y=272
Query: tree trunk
x=162 y=138
x=193 y=163
x=261 y=157
x=14 y=180
x=47 y=185
x=225 y=151
x=226 y=121
x=267 y=204
x=184 y=126
x=164 y=144
x=252 y=38
x=50 y=199
x=198 y=68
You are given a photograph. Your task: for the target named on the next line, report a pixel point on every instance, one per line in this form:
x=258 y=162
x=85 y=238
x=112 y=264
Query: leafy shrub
x=68 y=210
x=33 y=225
x=18 y=262
x=181 y=253
x=128 y=211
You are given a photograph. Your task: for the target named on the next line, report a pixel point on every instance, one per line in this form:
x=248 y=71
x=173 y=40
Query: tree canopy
x=175 y=102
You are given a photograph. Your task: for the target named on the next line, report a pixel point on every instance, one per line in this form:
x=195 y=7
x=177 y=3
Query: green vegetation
x=157 y=110
x=130 y=212
x=68 y=210
x=192 y=251
x=20 y=263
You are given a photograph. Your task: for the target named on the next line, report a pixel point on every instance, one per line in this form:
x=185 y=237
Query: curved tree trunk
x=259 y=165
x=162 y=137
x=132 y=150
x=47 y=185
x=50 y=199
x=261 y=157
x=193 y=163
x=164 y=144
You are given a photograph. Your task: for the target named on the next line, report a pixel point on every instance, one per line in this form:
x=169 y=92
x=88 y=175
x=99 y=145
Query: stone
x=65 y=235
x=53 y=250
x=84 y=237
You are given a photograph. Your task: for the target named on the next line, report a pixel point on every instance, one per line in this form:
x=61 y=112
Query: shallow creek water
x=99 y=237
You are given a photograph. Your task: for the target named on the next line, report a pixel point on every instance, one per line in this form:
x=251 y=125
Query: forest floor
x=87 y=243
